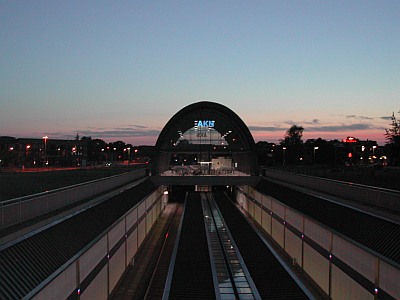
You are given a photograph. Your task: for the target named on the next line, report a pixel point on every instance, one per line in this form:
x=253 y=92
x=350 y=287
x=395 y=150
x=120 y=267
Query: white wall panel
x=141 y=208
x=61 y=287
x=92 y=257
x=251 y=208
x=355 y=257
x=278 y=209
x=257 y=196
x=116 y=267
x=389 y=279
x=97 y=288
x=294 y=219
x=266 y=221
x=131 y=219
x=241 y=201
x=132 y=245
x=343 y=287
x=154 y=212
x=317 y=267
x=266 y=201
x=149 y=222
x=116 y=233
x=141 y=232
x=293 y=246
x=251 y=191
x=257 y=214
x=149 y=201
x=277 y=232
x=318 y=234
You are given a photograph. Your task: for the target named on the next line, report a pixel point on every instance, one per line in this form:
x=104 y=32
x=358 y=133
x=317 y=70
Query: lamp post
x=27 y=154
x=284 y=156
x=315 y=148
x=45 y=149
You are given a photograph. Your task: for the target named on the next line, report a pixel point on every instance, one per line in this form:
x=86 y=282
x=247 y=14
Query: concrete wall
x=342 y=269
x=96 y=270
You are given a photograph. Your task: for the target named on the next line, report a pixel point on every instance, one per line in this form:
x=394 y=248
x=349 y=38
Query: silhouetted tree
x=393 y=139
x=293 y=136
x=292 y=141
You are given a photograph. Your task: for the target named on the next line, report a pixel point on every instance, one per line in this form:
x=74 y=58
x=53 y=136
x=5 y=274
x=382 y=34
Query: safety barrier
x=342 y=269
x=18 y=210
x=365 y=194
x=95 y=271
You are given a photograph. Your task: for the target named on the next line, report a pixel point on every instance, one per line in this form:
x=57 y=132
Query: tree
x=293 y=136
x=393 y=133
x=393 y=139
x=292 y=143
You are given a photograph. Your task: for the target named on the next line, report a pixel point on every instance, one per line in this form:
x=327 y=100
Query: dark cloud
x=120 y=132
x=359 y=117
x=338 y=128
x=138 y=126
x=313 y=122
x=100 y=133
x=265 y=128
x=386 y=118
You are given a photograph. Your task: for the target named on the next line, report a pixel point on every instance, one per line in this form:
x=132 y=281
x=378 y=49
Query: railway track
x=218 y=256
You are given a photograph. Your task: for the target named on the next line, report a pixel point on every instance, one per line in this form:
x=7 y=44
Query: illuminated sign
x=204 y=123
x=350 y=139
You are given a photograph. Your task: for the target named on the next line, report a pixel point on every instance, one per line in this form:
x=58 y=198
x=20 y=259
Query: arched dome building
x=201 y=132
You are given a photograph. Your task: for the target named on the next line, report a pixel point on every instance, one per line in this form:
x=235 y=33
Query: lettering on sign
x=201 y=134
x=205 y=123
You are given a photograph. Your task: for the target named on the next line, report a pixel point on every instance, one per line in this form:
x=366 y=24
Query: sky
x=119 y=70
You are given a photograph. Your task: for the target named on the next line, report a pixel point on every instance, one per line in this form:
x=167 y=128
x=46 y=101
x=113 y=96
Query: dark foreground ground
x=18 y=184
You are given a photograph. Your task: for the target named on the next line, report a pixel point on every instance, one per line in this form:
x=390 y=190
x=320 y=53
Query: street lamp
x=284 y=157
x=27 y=153
x=315 y=148
x=45 y=149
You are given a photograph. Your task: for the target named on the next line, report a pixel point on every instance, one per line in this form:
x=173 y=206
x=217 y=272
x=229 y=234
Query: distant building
x=362 y=151
x=26 y=152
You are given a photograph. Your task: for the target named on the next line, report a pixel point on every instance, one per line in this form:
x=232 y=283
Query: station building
x=205 y=138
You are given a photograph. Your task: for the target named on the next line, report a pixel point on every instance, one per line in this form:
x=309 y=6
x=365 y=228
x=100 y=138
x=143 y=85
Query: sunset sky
x=119 y=70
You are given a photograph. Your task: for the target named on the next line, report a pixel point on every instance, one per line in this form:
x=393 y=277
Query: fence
x=365 y=194
x=21 y=209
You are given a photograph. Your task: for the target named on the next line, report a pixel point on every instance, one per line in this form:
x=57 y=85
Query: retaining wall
x=96 y=270
x=341 y=269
